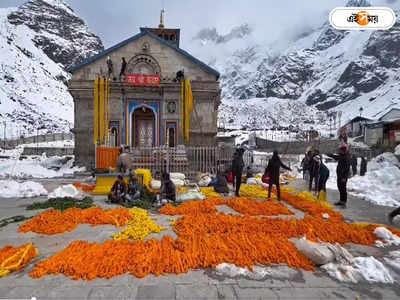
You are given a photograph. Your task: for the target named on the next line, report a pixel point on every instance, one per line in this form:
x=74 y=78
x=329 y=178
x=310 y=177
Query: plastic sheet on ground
x=258 y=273
x=362 y=269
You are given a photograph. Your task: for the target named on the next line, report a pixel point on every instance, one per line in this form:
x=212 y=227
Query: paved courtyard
x=197 y=284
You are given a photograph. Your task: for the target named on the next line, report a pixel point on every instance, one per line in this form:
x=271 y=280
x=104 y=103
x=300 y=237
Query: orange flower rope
x=16 y=258
x=54 y=221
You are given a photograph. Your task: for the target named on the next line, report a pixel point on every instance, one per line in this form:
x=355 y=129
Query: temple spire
x=161 y=19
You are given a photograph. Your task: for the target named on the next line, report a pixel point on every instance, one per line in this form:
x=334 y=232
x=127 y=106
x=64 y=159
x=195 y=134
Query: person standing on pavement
x=342 y=173
x=314 y=170
x=273 y=169
x=237 y=169
x=353 y=162
x=323 y=177
x=363 y=166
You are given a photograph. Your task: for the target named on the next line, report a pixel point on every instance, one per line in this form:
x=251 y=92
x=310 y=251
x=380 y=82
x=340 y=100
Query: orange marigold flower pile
x=207 y=238
x=54 y=221
x=16 y=258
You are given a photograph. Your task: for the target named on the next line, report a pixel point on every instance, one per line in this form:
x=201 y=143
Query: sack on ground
x=178 y=182
x=205 y=181
x=190 y=196
x=155 y=184
x=252 y=181
x=179 y=176
x=317 y=253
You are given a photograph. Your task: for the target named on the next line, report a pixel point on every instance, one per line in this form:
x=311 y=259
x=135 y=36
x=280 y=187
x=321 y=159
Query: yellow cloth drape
x=96 y=111
x=101 y=98
x=187 y=107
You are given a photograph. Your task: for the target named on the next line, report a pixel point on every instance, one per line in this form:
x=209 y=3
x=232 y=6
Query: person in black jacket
x=314 y=171
x=167 y=190
x=353 y=162
x=123 y=68
x=273 y=169
x=363 y=166
x=323 y=175
x=342 y=172
x=118 y=191
x=394 y=214
x=237 y=170
x=221 y=185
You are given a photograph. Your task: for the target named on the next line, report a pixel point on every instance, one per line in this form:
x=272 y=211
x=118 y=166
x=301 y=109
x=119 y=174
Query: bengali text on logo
x=362 y=18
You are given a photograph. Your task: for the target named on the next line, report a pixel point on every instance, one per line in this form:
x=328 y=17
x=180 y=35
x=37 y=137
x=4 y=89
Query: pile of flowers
x=253 y=191
x=139 y=227
x=16 y=258
x=209 y=192
x=54 y=221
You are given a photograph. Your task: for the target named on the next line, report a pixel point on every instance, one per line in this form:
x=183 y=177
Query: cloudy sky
x=116 y=20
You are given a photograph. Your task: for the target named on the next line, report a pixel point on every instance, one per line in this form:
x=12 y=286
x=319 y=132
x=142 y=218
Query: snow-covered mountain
x=324 y=70
x=38 y=41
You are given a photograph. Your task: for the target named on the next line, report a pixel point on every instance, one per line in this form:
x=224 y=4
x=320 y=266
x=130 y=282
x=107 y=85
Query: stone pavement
x=197 y=284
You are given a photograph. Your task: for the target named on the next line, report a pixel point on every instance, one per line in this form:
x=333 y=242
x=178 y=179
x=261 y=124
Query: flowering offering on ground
x=54 y=221
x=16 y=258
x=139 y=227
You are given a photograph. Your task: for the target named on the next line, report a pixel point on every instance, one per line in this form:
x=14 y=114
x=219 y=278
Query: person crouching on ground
x=323 y=177
x=134 y=188
x=118 y=191
x=342 y=173
x=237 y=169
x=273 y=169
x=221 y=184
x=167 y=191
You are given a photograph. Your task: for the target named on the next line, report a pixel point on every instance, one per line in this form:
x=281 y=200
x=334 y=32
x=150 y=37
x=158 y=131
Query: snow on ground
x=27 y=189
x=362 y=269
x=66 y=191
x=397 y=150
x=381 y=183
x=38 y=167
x=386 y=237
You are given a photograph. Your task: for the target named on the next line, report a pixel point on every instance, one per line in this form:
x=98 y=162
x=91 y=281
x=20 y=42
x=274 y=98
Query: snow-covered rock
x=27 y=189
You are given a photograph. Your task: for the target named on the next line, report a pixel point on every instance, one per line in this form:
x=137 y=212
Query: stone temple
x=145 y=101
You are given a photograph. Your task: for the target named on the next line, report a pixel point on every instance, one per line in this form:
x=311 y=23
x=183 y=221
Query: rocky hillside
x=38 y=41
x=58 y=31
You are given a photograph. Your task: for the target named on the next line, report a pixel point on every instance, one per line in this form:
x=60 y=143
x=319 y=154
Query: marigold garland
x=207 y=238
x=139 y=227
x=54 y=222
x=209 y=192
x=16 y=258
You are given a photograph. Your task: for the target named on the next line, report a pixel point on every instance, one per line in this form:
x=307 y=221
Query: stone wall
x=297 y=147
x=50 y=151
x=37 y=139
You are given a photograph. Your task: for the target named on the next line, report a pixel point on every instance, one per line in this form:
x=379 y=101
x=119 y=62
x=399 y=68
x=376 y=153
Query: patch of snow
x=38 y=167
x=387 y=237
x=66 y=191
x=397 y=150
x=27 y=189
